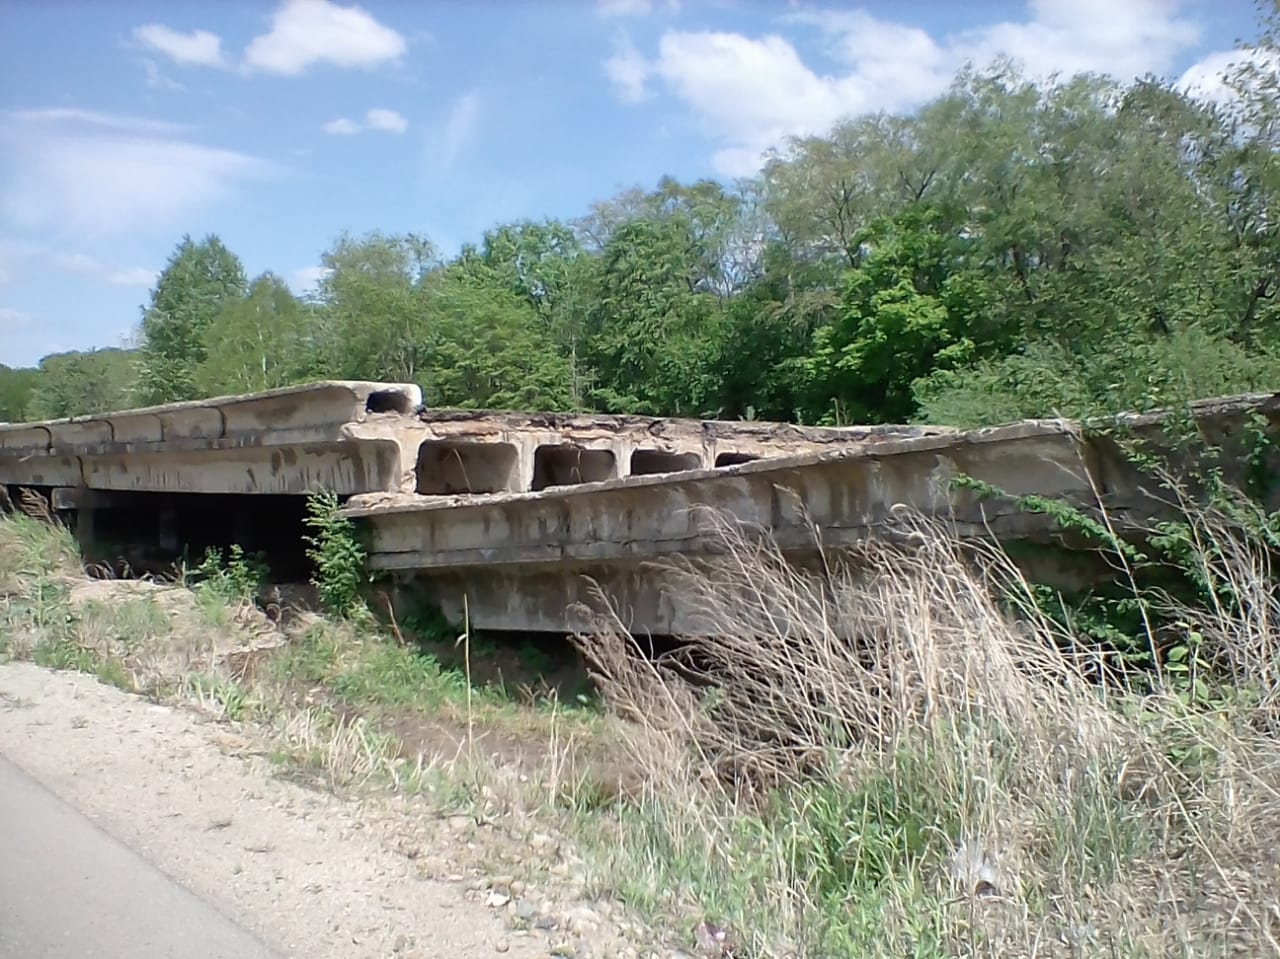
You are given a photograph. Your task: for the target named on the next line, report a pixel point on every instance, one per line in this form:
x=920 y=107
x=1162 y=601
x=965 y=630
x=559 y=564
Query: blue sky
x=280 y=124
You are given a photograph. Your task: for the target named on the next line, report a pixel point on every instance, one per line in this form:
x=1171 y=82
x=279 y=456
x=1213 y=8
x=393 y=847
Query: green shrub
x=235 y=577
x=337 y=553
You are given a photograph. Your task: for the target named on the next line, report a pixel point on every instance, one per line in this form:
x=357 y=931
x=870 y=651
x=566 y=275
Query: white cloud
x=11 y=319
x=460 y=129
x=89 y=266
x=386 y=120
x=307 y=278
x=343 y=126
x=1207 y=79
x=631 y=8
x=628 y=71
x=303 y=33
x=377 y=118
x=76 y=263
x=309 y=32
x=750 y=93
x=624 y=8
x=70 y=173
x=197 y=48
x=1123 y=39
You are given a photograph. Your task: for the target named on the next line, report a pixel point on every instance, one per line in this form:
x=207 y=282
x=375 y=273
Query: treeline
x=1013 y=249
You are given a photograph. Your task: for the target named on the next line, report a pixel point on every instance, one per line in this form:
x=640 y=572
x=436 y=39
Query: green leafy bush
x=337 y=553
x=235 y=577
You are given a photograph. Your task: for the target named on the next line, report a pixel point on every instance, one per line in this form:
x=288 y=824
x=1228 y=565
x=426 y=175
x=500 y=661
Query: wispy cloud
x=343 y=126
x=135 y=276
x=386 y=120
x=377 y=118
x=86 y=265
x=459 y=129
x=71 y=172
x=157 y=79
x=628 y=71
x=76 y=263
x=1222 y=77
x=307 y=278
x=93 y=118
x=197 y=48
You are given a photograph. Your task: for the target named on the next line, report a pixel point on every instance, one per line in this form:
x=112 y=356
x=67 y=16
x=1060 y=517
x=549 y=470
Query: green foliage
x=905 y=313
x=489 y=347
x=337 y=554
x=16 y=388
x=1015 y=248
x=255 y=342
x=64 y=652
x=372 y=321
x=1067 y=518
x=1185 y=567
x=850 y=851
x=71 y=384
x=398 y=676
x=228 y=696
x=195 y=285
x=653 y=333
x=1121 y=372
x=232 y=577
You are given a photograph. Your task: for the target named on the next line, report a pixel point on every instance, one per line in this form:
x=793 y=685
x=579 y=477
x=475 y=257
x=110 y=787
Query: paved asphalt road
x=70 y=891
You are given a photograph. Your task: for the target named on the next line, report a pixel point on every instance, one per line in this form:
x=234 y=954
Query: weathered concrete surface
x=487 y=452
x=517 y=512
x=359 y=437
x=525 y=561
x=332 y=435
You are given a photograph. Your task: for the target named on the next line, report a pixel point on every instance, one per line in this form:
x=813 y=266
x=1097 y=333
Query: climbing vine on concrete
x=1145 y=618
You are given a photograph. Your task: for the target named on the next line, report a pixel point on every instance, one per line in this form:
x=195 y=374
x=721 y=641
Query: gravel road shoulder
x=301 y=869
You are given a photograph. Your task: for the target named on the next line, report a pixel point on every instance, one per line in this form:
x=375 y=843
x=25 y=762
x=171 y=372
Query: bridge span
x=524 y=514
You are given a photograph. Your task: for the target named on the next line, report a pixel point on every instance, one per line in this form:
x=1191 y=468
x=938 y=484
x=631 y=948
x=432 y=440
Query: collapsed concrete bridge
x=522 y=513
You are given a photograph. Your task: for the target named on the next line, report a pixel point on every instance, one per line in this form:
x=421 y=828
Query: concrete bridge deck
x=521 y=514
x=361 y=437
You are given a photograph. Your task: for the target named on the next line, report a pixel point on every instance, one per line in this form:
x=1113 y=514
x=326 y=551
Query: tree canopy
x=1014 y=248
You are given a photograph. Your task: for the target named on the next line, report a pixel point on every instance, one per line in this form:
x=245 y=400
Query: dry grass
x=344 y=752
x=870 y=757
x=862 y=756
x=336 y=700
x=199 y=647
